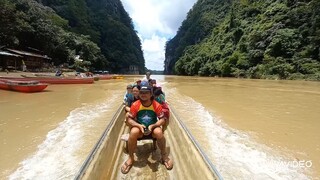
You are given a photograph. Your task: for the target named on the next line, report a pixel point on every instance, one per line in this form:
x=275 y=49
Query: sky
x=156 y=21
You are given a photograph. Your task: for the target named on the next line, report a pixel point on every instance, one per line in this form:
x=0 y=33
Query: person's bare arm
x=159 y=123
x=134 y=123
x=127 y=108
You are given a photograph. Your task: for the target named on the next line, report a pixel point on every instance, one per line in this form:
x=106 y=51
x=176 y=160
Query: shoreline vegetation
x=250 y=39
x=294 y=77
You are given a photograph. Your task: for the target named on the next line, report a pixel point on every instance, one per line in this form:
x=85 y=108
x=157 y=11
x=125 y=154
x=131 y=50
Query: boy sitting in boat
x=129 y=101
x=145 y=118
x=128 y=97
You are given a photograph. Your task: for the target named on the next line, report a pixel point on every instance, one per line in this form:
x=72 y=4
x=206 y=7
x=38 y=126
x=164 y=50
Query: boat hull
x=22 y=86
x=106 y=158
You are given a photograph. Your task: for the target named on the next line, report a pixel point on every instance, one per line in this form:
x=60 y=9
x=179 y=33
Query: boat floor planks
x=107 y=157
x=147 y=163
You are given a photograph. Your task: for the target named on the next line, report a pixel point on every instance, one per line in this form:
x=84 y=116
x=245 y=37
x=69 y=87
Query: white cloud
x=153 y=49
x=156 y=21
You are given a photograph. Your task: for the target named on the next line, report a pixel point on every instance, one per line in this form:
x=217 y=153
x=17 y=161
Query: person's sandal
x=165 y=163
x=126 y=169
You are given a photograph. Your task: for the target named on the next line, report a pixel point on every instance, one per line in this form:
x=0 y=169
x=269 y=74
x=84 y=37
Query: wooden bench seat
x=125 y=138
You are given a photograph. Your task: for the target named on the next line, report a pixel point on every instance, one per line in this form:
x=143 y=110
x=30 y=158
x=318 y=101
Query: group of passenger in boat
x=147 y=114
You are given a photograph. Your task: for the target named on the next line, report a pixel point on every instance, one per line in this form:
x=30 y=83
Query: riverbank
x=20 y=73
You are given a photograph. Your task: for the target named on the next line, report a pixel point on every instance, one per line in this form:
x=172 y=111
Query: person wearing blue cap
x=146 y=118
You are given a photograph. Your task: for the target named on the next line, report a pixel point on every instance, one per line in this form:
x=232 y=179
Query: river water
x=250 y=129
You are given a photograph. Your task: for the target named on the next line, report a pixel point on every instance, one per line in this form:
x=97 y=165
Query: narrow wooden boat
x=52 y=80
x=103 y=77
x=117 y=77
x=106 y=158
x=22 y=86
x=95 y=78
x=42 y=75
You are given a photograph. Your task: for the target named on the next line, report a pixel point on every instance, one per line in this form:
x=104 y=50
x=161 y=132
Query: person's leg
x=158 y=134
x=135 y=133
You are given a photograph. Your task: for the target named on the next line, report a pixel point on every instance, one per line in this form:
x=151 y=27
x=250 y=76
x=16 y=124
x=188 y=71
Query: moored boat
x=22 y=86
x=103 y=77
x=117 y=76
x=105 y=160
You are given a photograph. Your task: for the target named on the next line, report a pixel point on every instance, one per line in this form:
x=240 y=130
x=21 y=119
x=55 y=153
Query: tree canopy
x=100 y=31
x=254 y=39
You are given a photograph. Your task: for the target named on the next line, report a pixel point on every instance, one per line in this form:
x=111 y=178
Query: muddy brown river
x=250 y=129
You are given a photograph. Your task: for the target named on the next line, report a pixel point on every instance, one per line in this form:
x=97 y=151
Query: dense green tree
x=254 y=39
x=100 y=31
x=107 y=24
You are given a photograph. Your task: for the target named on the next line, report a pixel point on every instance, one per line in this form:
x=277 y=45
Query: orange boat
x=22 y=86
x=54 y=80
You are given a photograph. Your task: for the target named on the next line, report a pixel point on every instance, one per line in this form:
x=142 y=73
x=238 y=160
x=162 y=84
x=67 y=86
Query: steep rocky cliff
x=245 y=38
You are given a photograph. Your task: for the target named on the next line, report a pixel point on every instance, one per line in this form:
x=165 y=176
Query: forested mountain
x=278 y=39
x=100 y=31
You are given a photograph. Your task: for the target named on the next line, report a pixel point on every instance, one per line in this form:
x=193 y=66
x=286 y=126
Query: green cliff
x=277 y=39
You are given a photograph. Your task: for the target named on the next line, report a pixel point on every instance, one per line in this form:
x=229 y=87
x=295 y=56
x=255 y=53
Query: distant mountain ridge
x=244 y=38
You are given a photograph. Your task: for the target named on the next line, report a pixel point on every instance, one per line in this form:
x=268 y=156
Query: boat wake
x=235 y=154
x=61 y=154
